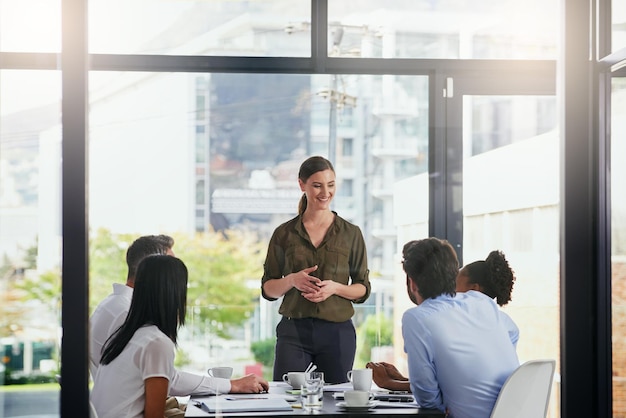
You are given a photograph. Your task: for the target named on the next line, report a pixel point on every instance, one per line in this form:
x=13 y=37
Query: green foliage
x=263 y=351
x=182 y=359
x=219 y=267
x=7 y=267
x=30 y=256
x=12 y=309
x=224 y=277
x=21 y=379
x=45 y=288
x=376 y=331
x=107 y=263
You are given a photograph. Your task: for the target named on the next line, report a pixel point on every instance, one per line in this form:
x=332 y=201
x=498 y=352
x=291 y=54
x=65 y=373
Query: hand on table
x=392 y=371
x=387 y=376
x=249 y=384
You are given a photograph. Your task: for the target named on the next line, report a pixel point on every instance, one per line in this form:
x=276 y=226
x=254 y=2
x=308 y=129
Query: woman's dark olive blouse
x=341 y=257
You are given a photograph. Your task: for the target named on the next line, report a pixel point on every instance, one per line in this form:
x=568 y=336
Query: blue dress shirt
x=460 y=351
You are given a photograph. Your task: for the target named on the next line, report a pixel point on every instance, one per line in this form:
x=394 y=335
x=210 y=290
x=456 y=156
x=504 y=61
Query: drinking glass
x=312 y=392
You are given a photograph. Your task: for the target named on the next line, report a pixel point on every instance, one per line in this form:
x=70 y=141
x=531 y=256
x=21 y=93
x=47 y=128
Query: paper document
x=241 y=403
x=339 y=387
x=392 y=404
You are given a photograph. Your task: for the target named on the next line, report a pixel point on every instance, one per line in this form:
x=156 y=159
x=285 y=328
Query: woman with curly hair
x=492 y=276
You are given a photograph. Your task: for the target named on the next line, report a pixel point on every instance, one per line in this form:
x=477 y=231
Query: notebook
x=241 y=403
x=404 y=397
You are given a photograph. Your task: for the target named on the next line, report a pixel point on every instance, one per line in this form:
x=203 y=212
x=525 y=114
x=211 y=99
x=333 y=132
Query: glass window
x=30 y=242
x=258 y=129
x=30 y=25
x=511 y=203
x=618 y=244
x=218 y=27
x=491 y=29
x=618 y=19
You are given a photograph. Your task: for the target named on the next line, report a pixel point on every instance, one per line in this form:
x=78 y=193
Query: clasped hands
x=311 y=287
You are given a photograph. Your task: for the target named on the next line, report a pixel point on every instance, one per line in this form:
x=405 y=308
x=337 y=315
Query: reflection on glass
x=217 y=27
x=216 y=157
x=30 y=25
x=511 y=203
x=30 y=283
x=618 y=242
x=493 y=29
x=618 y=25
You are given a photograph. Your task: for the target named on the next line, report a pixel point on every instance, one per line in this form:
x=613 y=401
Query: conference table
x=332 y=405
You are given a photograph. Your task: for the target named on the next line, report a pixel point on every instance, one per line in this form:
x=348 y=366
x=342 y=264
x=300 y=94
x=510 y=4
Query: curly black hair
x=494 y=276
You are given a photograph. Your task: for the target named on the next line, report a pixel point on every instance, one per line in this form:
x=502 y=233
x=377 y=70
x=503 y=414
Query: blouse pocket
x=295 y=260
x=336 y=264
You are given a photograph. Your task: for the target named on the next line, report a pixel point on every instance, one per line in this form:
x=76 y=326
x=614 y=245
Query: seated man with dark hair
x=458 y=345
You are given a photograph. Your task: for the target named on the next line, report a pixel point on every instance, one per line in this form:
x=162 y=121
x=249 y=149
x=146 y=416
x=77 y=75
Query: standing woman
x=317 y=262
x=137 y=363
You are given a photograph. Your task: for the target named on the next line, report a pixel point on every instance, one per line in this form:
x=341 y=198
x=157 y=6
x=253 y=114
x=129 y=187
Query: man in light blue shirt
x=458 y=345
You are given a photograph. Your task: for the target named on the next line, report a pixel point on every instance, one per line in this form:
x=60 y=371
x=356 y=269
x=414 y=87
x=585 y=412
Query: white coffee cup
x=295 y=379
x=357 y=397
x=361 y=379
x=222 y=372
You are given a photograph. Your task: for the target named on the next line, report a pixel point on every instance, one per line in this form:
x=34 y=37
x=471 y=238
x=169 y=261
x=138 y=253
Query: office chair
x=526 y=393
x=92 y=411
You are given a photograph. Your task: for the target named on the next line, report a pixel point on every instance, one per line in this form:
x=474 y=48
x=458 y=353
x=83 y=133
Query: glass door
x=504 y=164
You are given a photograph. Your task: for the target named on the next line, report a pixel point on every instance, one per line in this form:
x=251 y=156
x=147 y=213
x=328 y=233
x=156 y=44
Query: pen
x=243 y=399
x=201 y=405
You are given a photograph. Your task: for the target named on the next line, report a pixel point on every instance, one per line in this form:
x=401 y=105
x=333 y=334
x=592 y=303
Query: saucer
x=344 y=406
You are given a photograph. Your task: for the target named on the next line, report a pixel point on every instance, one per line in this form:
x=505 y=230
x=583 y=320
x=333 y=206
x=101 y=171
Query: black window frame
x=585 y=221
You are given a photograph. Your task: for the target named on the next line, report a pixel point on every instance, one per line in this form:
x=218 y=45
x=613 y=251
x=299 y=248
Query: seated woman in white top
x=137 y=364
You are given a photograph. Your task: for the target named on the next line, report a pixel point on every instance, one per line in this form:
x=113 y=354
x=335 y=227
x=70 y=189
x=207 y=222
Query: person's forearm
x=276 y=288
x=185 y=384
x=351 y=292
x=155 y=393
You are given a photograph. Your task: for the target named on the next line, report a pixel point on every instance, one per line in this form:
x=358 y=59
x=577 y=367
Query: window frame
x=584 y=251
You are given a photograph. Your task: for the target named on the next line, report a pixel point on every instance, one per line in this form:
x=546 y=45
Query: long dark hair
x=432 y=264
x=494 y=276
x=309 y=167
x=159 y=298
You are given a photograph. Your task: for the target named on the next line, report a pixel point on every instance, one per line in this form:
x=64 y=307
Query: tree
x=220 y=267
x=376 y=331
x=107 y=263
x=12 y=309
x=263 y=351
x=220 y=270
x=44 y=288
x=12 y=312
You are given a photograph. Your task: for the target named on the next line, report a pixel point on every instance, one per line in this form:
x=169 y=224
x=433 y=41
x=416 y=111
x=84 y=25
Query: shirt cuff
x=185 y=384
